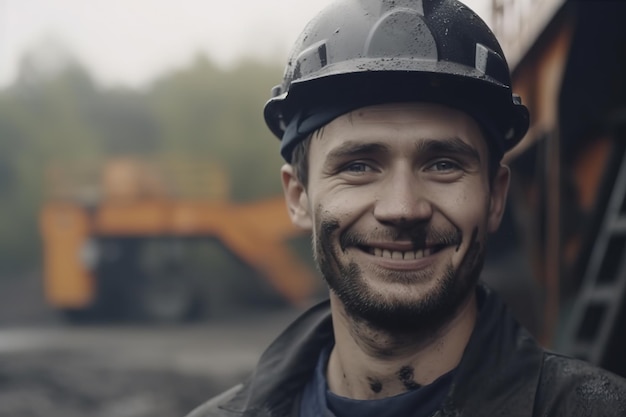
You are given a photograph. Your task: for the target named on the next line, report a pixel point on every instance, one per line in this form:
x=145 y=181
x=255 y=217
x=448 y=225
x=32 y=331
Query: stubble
x=425 y=313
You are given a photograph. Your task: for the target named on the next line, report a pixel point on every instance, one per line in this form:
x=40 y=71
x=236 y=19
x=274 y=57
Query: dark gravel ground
x=58 y=384
x=49 y=383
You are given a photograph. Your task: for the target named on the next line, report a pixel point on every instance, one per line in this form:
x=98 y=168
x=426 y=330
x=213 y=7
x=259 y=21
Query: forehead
x=400 y=123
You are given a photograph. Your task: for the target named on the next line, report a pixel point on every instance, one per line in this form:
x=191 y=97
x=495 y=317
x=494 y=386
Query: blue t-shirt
x=318 y=401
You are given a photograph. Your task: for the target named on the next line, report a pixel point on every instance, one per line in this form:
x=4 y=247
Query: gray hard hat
x=363 y=52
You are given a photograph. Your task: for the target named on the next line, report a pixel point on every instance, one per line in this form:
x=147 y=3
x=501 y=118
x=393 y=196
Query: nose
x=402 y=200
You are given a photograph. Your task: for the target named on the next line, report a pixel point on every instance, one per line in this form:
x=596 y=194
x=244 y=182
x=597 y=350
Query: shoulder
x=211 y=407
x=571 y=387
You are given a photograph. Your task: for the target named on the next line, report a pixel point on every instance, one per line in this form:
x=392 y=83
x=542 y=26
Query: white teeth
x=409 y=255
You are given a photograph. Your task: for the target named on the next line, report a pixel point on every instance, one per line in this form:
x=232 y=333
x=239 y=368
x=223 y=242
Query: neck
x=372 y=363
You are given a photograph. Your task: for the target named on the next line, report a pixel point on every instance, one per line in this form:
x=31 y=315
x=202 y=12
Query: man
x=393 y=118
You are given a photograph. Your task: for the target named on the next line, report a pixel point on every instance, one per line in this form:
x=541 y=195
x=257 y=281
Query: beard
x=425 y=313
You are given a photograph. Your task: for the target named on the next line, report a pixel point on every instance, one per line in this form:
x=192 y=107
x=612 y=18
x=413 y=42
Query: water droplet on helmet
x=509 y=134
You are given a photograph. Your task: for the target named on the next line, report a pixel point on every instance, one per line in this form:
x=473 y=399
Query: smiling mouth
x=402 y=255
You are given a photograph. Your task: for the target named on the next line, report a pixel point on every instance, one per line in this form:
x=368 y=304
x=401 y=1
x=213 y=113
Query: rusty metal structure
x=569 y=189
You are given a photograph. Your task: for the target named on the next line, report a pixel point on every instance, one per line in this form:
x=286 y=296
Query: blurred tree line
x=200 y=112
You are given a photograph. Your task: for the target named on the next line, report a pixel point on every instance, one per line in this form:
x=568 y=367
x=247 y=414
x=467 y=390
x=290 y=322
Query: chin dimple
x=407 y=255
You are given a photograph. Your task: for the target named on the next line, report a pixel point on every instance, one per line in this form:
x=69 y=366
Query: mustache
x=419 y=235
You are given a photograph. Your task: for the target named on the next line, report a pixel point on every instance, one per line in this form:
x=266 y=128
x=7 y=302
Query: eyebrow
x=453 y=145
x=447 y=146
x=351 y=149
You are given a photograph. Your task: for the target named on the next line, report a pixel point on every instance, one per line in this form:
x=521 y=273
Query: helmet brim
x=367 y=84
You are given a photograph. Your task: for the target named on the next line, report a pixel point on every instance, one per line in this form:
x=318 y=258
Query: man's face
x=400 y=203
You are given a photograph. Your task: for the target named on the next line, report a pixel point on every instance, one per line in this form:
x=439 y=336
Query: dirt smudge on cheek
x=327 y=228
x=328 y=224
x=473 y=260
x=327 y=254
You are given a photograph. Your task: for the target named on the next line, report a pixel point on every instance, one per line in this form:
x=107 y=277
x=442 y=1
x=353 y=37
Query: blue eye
x=444 y=166
x=357 y=167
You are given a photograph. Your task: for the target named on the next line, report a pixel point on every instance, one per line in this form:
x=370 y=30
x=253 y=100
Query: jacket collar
x=286 y=366
x=498 y=374
x=501 y=366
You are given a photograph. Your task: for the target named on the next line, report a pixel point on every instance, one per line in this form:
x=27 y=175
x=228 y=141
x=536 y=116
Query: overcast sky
x=130 y=42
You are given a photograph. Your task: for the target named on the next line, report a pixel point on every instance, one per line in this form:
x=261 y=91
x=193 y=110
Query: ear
x=296 y=198
x=497 y=201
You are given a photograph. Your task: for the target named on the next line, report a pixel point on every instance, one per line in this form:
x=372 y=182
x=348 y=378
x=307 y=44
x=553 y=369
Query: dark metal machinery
x=572 y=168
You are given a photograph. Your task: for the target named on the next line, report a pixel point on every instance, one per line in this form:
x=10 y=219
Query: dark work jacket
x=503 y=372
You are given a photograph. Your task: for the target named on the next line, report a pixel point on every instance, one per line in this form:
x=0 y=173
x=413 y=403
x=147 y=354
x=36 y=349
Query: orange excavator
x=138 y=249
